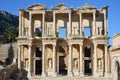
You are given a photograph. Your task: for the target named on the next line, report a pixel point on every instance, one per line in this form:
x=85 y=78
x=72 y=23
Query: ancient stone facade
x=42 y=52
x=115 y=57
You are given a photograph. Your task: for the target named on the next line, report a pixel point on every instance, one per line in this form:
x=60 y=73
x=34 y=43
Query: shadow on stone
x=1 y=62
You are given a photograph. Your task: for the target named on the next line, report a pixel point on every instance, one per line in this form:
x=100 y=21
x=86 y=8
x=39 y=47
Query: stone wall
x=116 y=39
x=8 y=52
x=8 y=61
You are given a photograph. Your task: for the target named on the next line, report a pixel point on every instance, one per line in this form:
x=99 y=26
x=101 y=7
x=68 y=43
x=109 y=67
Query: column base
x=29 y=75
x=108 y=76
x=81 y=74
x=95 y=74
x=54 y=74
x=70 y=73
x=43 y=74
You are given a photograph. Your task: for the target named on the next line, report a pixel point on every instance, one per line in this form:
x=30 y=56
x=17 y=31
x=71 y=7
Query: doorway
x=118 y=70
x=38 y=61
x=87 y=65
x=87 y=61
x=62 y=66
x=38 y=67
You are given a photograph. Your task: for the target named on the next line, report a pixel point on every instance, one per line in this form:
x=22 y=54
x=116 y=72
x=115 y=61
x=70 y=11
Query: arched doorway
x=116 y=68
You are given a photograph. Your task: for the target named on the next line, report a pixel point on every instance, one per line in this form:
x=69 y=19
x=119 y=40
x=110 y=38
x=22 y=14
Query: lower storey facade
x=62 y=57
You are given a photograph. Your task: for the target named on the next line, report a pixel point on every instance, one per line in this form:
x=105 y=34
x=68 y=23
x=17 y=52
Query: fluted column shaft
x=70 y=73
x=105 y=24
x=106 y=60
x=29 y=58
x=19 y=58
x=43 y=24
x=81 y=60
x=30 y=25
x=95 y=60
x=54 y=61
x=54 y=24
x=43 y=60
x=70 y=26
x=94 y=24
x=80 y=16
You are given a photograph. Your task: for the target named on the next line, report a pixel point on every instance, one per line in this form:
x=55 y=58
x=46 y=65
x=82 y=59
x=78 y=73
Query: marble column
x=70 y=25
x=19 y=57
x=23 y=24
x=43 y=24
x=81 y=60
x=30 y=24
x=105 y=24
x=106 y=59
x=43 y=61
x=54 y=61
x=80 y=17
x=70 y=73
x=95 y=73
x=29 y=58
x=54 y=25
x=94 y=24
x=20 y=22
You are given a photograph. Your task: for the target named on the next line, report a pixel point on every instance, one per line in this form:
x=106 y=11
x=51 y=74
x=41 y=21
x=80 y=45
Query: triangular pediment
x=87 y=6
x=60 y=7
x=37 y=7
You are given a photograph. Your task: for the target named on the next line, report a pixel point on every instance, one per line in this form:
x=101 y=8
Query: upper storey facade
x=38 y=21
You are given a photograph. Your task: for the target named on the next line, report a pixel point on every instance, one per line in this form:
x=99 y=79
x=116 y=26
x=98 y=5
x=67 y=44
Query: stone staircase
x=66 y=78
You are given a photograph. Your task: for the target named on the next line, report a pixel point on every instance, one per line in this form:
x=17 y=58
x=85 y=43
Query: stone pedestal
x=43 y=74
x=70 y=73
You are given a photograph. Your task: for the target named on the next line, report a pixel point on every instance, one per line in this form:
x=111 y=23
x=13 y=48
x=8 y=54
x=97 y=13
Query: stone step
x=66 y=78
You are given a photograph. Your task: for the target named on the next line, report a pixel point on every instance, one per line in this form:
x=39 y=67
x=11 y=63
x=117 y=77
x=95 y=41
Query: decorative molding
x=87 y=6
x=60 y=7
x=37 y=7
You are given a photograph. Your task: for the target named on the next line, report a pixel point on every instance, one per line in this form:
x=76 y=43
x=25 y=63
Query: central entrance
x=62 y=66
x=38 y=61
x=87 y=61
x=38 y=67
x=87 y=65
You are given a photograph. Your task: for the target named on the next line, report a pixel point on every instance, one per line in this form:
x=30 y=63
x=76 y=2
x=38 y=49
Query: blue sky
x=12 y=6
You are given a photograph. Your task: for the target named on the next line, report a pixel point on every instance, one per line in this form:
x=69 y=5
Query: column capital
x=94 y=12
x=54 y=44
x=95 y=44
x=70 y=44
x=19 y=45
x=80 y=44
x=80 y=13
x=106 y=44
x=54 y=13
x=69 y=12
x=43 y=13
x=30 y=45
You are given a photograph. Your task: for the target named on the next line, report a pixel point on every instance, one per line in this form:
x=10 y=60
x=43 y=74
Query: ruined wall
x=8 y=52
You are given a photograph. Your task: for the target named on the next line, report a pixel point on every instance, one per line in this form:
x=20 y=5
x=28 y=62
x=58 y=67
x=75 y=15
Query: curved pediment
x=37 y=7
x=87 y=6
x=60 y=7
